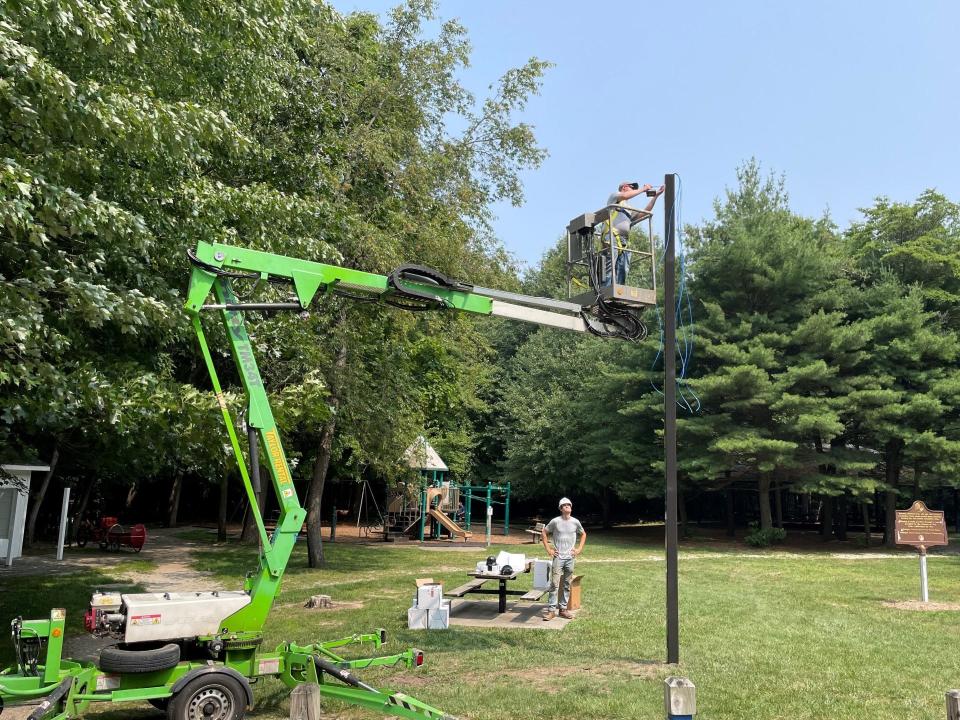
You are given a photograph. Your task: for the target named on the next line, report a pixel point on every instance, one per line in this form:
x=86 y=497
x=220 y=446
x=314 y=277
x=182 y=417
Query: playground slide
x=449 y=524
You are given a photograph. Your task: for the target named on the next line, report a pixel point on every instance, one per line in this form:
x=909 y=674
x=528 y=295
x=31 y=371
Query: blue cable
x=683 y=312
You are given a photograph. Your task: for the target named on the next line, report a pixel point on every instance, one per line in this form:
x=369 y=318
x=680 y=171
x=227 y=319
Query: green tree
x=131 y=132
x=761 y=272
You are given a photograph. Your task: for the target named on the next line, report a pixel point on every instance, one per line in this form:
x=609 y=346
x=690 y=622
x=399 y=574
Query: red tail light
x=417 y=658
x=90 y=620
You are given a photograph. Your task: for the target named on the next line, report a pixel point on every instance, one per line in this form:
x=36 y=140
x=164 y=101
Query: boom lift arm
x=410 y=287
x=217 y=635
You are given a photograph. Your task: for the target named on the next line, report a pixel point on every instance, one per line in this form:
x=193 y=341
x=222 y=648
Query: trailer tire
x=121 y=659
x=213 y=695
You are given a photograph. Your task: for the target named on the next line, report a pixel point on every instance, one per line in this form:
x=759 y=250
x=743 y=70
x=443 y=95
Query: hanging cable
x=682 y=307
x=615 y=320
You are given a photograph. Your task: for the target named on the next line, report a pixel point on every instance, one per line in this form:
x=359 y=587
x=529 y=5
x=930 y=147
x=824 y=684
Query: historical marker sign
x=920 y=527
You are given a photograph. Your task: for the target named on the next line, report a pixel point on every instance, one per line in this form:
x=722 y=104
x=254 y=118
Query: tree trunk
x=321 y=465
x=893 y=455
x=766 y=520
x=249 y=534
x=778 y=504
x=865 y=509
x=605 y=507
x=826 y=518
x=731 y=509
x=82 y=508
x=916 y=481
x=842 y=517
x=173 y=502
x=222 y=510
x=41 y=493
x=805 y=507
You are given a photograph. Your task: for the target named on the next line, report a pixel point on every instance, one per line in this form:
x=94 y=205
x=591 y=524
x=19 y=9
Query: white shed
x=13 y=509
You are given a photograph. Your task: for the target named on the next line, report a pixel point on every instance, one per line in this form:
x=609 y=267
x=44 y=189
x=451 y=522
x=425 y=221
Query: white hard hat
x=564 y=501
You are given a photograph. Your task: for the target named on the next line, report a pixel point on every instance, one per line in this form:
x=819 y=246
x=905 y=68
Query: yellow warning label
x=276 y=458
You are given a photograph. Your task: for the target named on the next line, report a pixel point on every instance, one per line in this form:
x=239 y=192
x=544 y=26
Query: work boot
x=549 y=615
x=566 y=614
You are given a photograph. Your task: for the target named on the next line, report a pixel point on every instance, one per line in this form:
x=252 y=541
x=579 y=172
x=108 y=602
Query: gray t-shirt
x=564 y=534
x=621 y=220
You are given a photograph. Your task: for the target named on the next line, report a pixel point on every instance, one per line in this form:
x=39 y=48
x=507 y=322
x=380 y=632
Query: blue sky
x=850 y=100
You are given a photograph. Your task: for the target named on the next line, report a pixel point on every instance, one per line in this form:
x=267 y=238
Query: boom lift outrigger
x=212 y=653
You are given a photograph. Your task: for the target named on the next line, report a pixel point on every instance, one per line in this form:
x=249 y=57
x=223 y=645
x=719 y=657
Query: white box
x=417 y=618
x=429 y=596
x=439 y=619
x=517 y=561
x=541 y=574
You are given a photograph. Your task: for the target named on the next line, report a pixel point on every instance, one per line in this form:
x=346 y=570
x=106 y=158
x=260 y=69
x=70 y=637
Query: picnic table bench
x=459 y=592
x=573 y=602
x=535 y=532
x=476 y=586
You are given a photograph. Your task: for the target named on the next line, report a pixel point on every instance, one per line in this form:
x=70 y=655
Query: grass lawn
x=769 y=635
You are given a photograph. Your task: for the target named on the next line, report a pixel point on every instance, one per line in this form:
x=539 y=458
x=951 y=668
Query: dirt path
x=171 y=555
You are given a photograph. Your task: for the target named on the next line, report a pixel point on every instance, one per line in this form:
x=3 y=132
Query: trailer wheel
x=121 y=659
x=213 y=696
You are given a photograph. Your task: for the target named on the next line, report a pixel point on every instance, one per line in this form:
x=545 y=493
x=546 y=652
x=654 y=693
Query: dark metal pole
x=670 y=416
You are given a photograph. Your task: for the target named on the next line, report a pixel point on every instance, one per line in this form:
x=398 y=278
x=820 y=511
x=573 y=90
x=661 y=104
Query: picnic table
x=477 y=586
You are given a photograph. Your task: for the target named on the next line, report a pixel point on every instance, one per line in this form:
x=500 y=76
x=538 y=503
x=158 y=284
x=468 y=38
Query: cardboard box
x=429 y=596
x=541 y=574
x=439 y=619
x=417 y=618
x=424 y=581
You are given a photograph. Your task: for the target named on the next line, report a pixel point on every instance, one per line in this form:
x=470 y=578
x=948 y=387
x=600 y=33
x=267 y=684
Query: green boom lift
x=197 y=654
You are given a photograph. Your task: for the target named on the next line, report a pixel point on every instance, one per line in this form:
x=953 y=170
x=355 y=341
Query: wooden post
x=953 y=704
x=305 y=702
x=679 y=698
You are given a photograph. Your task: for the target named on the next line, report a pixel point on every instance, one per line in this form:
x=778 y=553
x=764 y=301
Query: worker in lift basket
x=562 y=532
x=617 y=229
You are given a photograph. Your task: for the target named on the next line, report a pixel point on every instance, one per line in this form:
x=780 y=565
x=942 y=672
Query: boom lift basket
x=592 y=258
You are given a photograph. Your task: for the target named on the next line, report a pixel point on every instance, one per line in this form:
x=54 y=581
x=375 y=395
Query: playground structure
x=434 y=499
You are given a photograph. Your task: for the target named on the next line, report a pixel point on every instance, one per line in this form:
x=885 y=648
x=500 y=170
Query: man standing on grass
x=563 y=532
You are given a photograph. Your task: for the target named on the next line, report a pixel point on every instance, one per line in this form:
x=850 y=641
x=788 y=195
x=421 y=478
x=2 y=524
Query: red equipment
x=110 y=534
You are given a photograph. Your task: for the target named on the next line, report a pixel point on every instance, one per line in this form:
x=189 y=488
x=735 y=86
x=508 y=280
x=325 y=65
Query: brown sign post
x=921 y=528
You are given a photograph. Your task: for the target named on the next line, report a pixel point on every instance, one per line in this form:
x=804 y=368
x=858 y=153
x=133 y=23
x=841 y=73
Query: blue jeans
x=623 y=267
x=560 y=576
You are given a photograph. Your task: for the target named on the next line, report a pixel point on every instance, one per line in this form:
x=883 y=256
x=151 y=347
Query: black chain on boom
x=608 y=319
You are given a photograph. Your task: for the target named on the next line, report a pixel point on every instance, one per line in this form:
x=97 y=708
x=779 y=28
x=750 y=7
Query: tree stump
x=953 y=705
x=319 y=601
x=305 y=702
